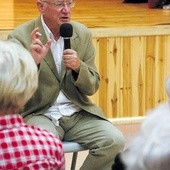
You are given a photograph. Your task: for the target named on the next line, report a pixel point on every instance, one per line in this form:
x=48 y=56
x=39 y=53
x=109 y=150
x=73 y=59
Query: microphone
x=66 y=31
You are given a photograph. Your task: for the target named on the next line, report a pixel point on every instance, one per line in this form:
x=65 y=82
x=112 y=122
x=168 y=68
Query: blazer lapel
x=49 y=58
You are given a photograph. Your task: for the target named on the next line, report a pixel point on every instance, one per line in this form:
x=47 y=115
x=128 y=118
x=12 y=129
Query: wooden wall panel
x=133 y=72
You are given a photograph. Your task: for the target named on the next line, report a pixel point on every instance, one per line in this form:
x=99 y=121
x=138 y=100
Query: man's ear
x=41 y=6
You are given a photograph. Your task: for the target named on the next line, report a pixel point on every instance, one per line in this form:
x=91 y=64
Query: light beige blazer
x=77 y=87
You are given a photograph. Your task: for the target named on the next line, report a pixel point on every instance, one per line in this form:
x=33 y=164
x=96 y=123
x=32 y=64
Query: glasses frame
x=62 y=4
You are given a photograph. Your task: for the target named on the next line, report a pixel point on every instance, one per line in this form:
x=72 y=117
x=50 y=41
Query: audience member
x=22 y=146
x=150 y=150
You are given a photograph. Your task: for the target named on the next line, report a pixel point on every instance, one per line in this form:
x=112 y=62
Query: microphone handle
x=67 y=46
x=67 y=43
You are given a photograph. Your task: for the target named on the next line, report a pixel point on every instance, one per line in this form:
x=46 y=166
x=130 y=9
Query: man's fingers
x=48 y=44
x=35 y=34
x=37 y=42
x=36 y=48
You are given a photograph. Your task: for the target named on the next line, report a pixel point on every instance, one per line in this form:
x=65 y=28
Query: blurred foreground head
x=18 y=77
x=150 y=150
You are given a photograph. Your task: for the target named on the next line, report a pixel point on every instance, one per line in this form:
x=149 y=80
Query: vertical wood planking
x=150 y=72
x=160 y=69
x=133 y=72
x=137 y=55
x=95 y=98
x=126 y=77
x=167 y=56
x=113 y=74
x=103 y=65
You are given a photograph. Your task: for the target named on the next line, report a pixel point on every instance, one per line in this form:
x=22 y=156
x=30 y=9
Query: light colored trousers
x=103 y=139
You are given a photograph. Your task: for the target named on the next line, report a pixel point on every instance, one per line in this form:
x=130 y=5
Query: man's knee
x=42 y=122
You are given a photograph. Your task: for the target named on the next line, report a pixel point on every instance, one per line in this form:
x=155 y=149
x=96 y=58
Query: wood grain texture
x=92 y=13
x=133 y=74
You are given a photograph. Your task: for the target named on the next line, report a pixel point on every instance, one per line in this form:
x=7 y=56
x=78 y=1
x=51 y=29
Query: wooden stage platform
x=132 y=50
x=92 y=13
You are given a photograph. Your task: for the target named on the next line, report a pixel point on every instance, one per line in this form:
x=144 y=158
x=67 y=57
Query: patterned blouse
x=25 y=147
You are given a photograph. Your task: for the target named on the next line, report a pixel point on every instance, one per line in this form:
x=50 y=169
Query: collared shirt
x=62 y=106
x=26 y=147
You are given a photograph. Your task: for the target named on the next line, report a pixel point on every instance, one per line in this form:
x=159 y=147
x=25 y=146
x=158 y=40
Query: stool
x=75 y=148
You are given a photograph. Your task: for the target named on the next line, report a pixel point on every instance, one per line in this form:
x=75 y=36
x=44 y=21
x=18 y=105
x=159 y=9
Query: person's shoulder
x=23 y=31
x=78 y=24
x=79 y=27
x=27 y=26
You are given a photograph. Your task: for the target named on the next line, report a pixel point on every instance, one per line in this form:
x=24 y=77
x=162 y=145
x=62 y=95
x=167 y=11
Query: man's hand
x=38 y=50
x=71 y=60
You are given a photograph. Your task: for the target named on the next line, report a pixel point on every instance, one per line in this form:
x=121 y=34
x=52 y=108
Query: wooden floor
x=92 y=13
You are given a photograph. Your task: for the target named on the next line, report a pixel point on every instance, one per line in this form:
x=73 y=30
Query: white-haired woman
x=22 y=146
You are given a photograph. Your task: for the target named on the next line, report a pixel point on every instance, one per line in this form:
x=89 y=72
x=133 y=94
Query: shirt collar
x=48 y=32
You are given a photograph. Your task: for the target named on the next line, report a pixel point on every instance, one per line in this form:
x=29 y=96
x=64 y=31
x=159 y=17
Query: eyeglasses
x=61 y=4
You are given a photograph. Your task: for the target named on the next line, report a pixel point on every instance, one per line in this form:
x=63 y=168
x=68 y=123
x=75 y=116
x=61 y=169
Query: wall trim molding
x=127 y=120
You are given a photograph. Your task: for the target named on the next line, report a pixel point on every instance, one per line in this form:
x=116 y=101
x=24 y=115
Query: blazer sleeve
x=88 y=79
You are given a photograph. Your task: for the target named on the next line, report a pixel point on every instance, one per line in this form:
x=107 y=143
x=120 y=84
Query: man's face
x=56 y=12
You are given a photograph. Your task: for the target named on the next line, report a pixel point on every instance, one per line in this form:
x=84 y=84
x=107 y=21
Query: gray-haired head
x=150 y=150
x=18 y=76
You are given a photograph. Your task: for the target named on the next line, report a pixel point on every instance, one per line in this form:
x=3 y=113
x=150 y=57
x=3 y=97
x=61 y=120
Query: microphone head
x=66 y=30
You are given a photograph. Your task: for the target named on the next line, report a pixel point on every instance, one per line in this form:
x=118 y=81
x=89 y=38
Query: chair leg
x=74 y=159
